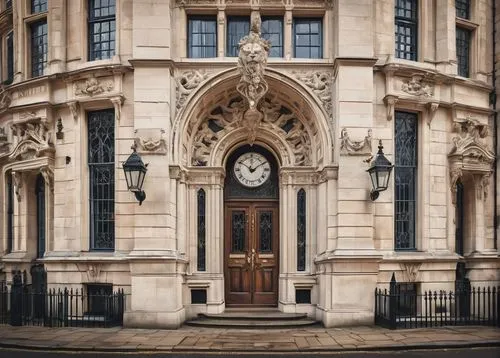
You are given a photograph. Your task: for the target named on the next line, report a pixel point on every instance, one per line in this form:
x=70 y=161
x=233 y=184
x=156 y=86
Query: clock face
x=252 y=169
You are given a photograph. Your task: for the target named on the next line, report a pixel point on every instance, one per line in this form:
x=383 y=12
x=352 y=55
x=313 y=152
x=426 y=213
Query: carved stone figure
x=349 y=147
x=252 y=59
x=151 y=143
x=418 y=87
x=93 y=86
x=186 y=82
x=202 y=144
x=31 y=138
x=320 y=83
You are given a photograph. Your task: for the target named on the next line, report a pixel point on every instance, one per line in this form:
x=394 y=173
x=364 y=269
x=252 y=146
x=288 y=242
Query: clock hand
x=253 y=169
x=250 y=169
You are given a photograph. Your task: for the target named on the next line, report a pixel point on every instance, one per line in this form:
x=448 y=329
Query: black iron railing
x=22 y=305
x=406 y=309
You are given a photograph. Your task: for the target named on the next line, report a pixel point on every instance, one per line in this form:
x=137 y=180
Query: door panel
x=251 y=253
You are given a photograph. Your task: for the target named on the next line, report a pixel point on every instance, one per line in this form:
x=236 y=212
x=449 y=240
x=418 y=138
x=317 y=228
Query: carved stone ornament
x=390 y=102
x=32 y=138
x=321 y=84
x=117 y=104
x=410 y=270
x=416 y=86
x=470 y=156
x=73 y=107
x=186 y=83
x=431 y=111
x=93 y=86
x=5 y=99
x=150 y=141
x=349 y=147
x=275 y=117
x=252 y=59
x=48 y=176
x=93 y=272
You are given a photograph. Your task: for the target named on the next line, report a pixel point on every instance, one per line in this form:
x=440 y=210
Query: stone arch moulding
x=286 y=96
x=470 y=156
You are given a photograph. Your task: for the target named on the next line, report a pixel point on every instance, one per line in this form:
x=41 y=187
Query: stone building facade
x=266 y=209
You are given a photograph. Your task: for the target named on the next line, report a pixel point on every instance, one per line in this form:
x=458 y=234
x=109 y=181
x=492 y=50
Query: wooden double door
x=251 y=252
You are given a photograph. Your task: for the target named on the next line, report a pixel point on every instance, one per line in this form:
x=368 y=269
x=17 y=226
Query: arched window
x=201 y=231
x=40 y=215
x=301 y=230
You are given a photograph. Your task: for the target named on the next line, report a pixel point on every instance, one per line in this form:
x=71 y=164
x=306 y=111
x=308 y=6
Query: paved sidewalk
x=188 y=339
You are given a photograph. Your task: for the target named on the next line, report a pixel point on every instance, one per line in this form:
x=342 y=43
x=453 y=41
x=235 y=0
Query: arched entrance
x=251 y=227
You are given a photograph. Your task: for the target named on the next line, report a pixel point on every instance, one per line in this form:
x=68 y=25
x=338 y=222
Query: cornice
x=355 y=61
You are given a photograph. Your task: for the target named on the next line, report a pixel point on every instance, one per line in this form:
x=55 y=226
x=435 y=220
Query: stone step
x=254 y=315
x=250 y=324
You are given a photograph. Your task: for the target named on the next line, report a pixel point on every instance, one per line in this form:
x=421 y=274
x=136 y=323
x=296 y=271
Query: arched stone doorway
x=251 y=227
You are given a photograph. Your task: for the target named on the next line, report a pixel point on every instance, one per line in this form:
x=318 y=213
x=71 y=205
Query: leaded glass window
x=201 y=231
x=462 y=8
x=265 y=231
x=40 y=214
x=202 y=37
x=463 y=51
x=237 y=28
x=308 y=38
x=238 y=231
x=102 y=29
x=10 y=57
x=405 y=176
x=39 y=47
x=101 y=154
x=10 y=212
x=38 y=6
x=272 y=30
x=406 y=27
x=301 y=230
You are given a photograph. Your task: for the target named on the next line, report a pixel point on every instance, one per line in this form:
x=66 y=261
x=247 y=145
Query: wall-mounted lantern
x=380 y=173
x=135 y=171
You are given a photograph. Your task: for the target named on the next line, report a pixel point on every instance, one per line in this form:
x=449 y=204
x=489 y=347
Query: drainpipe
x=495 y=135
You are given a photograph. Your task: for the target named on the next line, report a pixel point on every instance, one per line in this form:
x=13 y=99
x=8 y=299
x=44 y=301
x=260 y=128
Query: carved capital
x=48 y=176
x=431 y=111
x=73 y=107
x=117 y=104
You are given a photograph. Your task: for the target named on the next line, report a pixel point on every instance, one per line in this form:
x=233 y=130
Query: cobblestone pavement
x=190 y=339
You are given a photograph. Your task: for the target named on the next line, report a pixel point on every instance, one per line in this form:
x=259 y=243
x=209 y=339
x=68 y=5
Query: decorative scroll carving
x=150 y=143
x=321 y=84
x=5 y=98
x=469 y=156
x=93 y=86
x=32 y=138
x=275 y=117
x=252 y=60
x=117 y=104
x=73 y=107
x=48 y=176
x=390 y=102
x=431 y=111
x=416 y=86
x=17 y=179
x=410 y=270
x=349 y=147
x=186 y=82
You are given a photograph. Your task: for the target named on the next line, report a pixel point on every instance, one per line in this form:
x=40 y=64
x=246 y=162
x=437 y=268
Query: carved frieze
x=150 y=141
x=186 y=83
x=275 y=117
x=32 y=138
x=93 y=86
x=350 y=147
x=417 y=86
x=321 y=84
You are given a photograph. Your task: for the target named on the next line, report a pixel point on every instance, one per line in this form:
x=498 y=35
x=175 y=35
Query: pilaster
x=57 y=35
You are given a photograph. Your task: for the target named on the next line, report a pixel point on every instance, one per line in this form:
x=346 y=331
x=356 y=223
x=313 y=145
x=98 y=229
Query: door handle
x=253 y=259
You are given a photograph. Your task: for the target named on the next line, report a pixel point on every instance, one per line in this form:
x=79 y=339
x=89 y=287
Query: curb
x=257 y=350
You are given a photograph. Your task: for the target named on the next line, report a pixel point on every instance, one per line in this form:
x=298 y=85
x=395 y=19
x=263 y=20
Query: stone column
x=57 y=36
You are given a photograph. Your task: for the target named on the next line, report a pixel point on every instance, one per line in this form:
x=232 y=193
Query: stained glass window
x=201 y=231
x=301 y=230
x=406 y=27
x=101 y=154
x=405 y=176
